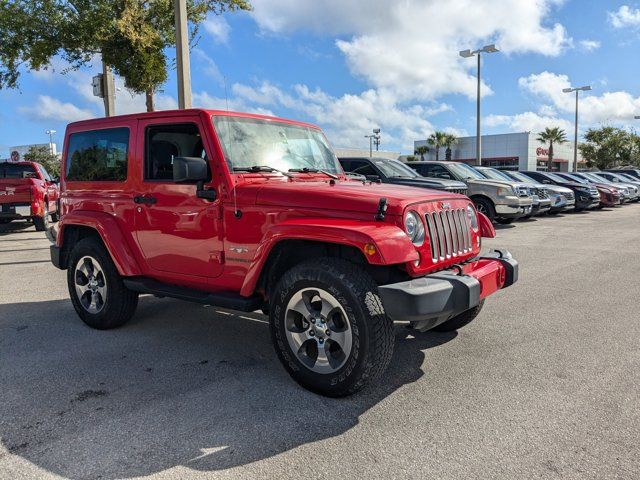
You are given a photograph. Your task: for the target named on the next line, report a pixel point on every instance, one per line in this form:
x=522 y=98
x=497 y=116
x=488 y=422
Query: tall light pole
x=375 y=138
x=575 y=135
x=182 y=55
x=466 y=54
x=50 y=133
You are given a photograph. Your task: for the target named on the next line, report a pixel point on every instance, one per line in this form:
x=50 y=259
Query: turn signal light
x=370 y=249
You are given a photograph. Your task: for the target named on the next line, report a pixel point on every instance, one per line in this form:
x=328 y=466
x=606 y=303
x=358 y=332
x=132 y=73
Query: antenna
x=237 y=213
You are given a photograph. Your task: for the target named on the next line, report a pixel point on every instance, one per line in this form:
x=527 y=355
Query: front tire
x=485 y=206
x=460 y=320
x=96 y=289
x=329 y=327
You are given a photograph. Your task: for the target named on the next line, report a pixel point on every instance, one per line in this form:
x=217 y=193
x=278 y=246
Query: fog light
x=416 y=263
x=370 y=249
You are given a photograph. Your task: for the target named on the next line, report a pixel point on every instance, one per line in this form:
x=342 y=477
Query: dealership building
x=509 y=151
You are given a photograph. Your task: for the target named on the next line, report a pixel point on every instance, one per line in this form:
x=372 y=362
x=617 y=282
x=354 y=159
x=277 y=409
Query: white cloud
x=218 y=28
x=411 y=47
x=527 y=122
x=208 y=66
x=49 y=108
x=618 y=107
x=589 y=45
x=625 y=17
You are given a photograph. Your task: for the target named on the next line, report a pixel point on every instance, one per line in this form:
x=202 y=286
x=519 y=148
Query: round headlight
x=473 y=217
x=414 y=228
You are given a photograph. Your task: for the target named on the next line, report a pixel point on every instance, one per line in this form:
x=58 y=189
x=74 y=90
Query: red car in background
x=28 y=192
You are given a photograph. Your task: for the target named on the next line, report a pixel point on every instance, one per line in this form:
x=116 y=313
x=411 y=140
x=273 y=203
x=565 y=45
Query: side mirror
x=190 y=169
x=548 y=182
x=444 y=176
x=372 y=178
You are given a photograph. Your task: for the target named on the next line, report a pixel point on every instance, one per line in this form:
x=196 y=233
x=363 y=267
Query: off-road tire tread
x=359 y=283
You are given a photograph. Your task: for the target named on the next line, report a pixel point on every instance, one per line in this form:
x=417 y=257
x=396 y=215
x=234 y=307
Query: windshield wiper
x=313 y=170
x=261 y=168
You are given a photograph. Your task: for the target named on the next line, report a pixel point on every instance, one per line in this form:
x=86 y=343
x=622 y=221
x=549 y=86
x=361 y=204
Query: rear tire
x=505 y=221
x=42 y=223
x=329 y=327
x=485 y=206
x=96 y=288
x=460 y=320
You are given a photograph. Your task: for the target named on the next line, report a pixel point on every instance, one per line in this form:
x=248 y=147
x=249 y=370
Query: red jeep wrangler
x=249 y=212
x=27 y=192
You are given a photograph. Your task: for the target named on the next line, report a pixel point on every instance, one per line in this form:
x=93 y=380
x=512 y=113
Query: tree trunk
x=447 y=154
x=437 y=152
x=550 y=166
x=149 y=97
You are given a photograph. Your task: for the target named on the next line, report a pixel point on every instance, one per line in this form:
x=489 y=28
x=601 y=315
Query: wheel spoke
x=298 y=338
x=342 y=339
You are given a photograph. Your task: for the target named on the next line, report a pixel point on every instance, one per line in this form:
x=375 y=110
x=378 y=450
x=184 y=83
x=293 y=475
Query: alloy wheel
x=90 y=284
x=318 y=330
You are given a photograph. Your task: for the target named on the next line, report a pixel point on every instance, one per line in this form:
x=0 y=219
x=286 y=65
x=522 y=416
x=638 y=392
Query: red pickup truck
x=248 y=212
x=27 y=192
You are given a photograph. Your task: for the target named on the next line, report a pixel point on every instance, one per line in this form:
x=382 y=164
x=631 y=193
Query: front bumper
x=435 y=298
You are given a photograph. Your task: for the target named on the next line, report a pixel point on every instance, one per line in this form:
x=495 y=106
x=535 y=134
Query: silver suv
x=500 y=200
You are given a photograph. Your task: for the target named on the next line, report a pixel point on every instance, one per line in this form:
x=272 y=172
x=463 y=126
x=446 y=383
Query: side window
x=439 y=171
x=164 y=143
x=363 y=168
x=44 y=173
x=346 y=165
x=98 y=155
x=421 y=169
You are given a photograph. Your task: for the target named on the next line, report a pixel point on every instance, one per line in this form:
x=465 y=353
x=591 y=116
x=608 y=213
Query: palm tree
x=551 y=136
x=437 y=139
x=449 y=141
x=421 y=150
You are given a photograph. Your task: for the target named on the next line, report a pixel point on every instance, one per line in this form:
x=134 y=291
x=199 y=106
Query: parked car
x=499 y=200
x=250 y=212
x=27 y=192
x=587 y=196
x=631 y=187
x=624 y=191
x=623 y=177
x=634 y=172
x=609 y=196
x=562 y=198
x=387 y=170
x=539 y=195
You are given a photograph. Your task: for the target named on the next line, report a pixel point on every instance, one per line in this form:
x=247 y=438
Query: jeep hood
x=345 y=195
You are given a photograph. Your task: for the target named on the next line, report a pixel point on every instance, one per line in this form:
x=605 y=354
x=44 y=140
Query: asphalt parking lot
x=544 y=384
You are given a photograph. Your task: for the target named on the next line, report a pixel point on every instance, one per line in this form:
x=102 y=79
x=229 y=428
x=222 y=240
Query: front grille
x=449 y=233
x=541 y=193
x=523 y=191
x=569 y=195
x=461 y=191
x=593 y=191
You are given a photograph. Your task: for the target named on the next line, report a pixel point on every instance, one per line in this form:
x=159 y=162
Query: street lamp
x=575 y=137
x=373 y=139
x=50 y=133
x=466 y=54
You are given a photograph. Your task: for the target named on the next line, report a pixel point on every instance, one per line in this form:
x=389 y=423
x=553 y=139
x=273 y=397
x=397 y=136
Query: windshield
x=575 y=178
x=626 y=177
x=495 y=174
x=250 y=142
x=522 y=177
x=394 y=168
x=464 y=171
x=555 y=178
x=595 y=178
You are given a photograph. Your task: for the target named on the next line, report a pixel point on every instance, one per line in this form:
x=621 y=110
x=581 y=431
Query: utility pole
x=373 y=139
x=108 y=90
x=50 y=133
x=182 y=55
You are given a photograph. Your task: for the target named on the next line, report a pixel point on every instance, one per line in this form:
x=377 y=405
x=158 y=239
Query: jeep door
x=178 y=233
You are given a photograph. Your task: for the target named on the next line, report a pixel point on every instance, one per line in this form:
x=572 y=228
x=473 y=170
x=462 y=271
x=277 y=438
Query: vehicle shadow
x=180 y=385
x=14 y=227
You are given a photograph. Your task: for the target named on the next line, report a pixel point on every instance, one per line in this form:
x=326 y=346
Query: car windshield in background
x=251 y=142
x=522 y=177
x=9 y=170
x=394 y=169
x=576 y=178
x=556 y=178
x=496 y=174
x=596 y=178
x=464 y=171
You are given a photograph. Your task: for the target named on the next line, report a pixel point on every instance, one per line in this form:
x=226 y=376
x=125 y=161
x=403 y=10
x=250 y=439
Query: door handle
x=145 y=199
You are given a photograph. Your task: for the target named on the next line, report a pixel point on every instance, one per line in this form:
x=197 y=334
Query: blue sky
x=352 y=65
